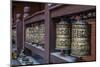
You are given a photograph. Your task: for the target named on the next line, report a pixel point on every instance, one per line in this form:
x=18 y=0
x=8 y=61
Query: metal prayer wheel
x=31 y=34
x=80 y=38
x=14 y=35
x=41 y=34
x=27 y=34
x=63 y=35
x=36 y=33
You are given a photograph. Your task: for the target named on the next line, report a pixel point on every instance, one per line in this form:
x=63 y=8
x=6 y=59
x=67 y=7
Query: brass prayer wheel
x=41 y=33
x=63 y=35
x=31 y=34
x=14 y=36
x=27 y=34
x=36 y=33
x=80 y=38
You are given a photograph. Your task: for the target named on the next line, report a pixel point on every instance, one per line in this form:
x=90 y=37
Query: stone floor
x=15 y=62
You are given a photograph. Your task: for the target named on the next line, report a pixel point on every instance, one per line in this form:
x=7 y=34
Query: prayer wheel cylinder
x=36 y=33
x=63 y=35
x=27 y=34
x=31 y=34
x=80 y=38
x=41 y=34
x=14 y=36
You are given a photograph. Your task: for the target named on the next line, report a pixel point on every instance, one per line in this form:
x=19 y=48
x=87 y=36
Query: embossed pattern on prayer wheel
x=27 y=34
x=62 y=35
x=31 y=34
x=36 y=33
x=14 y=35
x=41 y=33
x=80 y=38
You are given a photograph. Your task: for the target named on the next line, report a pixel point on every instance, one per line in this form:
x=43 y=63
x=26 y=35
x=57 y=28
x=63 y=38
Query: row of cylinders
x=35 y=34
x=73 y=37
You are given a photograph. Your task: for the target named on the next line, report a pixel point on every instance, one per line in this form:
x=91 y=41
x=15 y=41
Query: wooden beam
x=67 y=10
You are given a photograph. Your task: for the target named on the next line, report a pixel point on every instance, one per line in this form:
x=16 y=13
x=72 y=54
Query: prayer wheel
x=31 y=34
x=63 y=35
x=36 y=33
x=41 y=34
x=27 y=34
x=80 y=38
x=14 y=36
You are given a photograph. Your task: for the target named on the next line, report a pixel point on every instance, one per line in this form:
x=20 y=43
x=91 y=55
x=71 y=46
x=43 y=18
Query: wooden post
x=19 y=32
x=47 y=33
x=26 y=13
